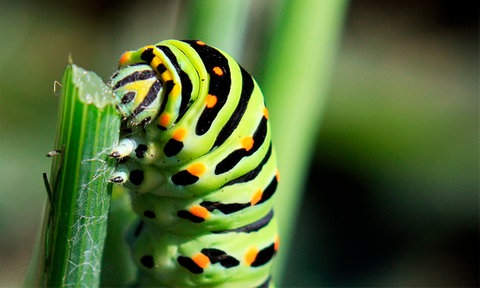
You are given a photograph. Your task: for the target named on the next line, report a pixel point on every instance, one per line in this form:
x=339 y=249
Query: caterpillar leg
x=125 y=148
x=121 y=174
x=135 y=156
x=136 y=148
x=140 y=179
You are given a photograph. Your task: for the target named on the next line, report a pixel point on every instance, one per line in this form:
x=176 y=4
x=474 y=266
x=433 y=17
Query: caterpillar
x=196 y=154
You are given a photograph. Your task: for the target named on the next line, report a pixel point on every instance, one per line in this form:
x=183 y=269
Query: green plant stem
x=295 y=79
x=227 y=19
x=76 y=218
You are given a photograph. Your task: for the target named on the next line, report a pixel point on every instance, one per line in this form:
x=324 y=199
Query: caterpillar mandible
x=197 y=156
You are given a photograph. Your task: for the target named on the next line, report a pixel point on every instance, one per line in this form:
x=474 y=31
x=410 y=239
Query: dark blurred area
x=392 y=197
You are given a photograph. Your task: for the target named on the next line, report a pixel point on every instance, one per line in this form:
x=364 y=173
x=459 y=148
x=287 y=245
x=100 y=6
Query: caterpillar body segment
x=196 y=154
x=204 y=261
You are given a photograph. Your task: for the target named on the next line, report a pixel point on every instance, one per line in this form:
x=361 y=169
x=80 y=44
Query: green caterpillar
x=197 y=156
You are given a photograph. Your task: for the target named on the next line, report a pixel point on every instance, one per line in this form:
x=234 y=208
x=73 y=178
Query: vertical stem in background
x=219 y=23
x=75 y=223
x=295 y=79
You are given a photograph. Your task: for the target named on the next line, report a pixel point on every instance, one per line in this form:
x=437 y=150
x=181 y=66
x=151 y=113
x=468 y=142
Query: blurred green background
x=392 y=197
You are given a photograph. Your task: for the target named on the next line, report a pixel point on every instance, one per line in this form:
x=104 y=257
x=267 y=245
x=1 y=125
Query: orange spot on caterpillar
x=211 y=100
x=199 y=211
x=276 y=243
x=197 y=169
x=247 y=143
x=179 y=134
x=265 y=112
x=277 y=175
x=201 y=260
x=201 y=43
x=125 y=58
x=164 y=119
x=217 y=70
x=256 y=197
x=251 y=255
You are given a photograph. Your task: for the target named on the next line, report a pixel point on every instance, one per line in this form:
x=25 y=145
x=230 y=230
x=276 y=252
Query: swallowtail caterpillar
x=197 y=156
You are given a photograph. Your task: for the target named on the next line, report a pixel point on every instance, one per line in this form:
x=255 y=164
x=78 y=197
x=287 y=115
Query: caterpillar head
x=138 y=92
